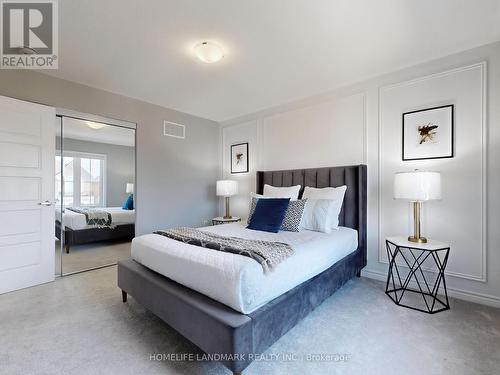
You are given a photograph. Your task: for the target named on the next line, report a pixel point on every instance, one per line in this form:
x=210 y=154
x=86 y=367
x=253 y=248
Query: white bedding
x=77 y=221
x=238 y=281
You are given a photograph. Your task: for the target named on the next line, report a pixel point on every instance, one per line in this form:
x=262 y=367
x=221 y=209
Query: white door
x=27 y=154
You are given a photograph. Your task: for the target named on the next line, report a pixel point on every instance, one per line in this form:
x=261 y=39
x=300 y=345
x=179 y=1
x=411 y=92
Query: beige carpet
x=78 y=325
x=87 y=256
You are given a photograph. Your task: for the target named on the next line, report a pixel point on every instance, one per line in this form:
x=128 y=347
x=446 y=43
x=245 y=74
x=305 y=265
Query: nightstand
x=406 y=265
x=221 y=220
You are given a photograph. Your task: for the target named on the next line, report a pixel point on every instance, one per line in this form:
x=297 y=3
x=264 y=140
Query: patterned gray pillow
x=293 y=215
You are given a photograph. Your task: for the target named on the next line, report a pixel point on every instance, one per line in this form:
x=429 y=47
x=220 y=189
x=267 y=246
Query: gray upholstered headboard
x=353 y=214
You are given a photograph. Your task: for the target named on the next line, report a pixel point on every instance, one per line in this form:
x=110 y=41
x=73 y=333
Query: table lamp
x=129 y=188
x=226 y=189
x=417 y=186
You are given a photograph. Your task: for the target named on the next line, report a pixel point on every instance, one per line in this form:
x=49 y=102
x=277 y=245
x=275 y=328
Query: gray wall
x=120 y=166
x=175 y=178
x=384 y=217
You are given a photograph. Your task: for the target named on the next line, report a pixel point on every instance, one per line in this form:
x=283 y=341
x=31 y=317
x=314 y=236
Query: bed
x=77 y=232
x=237 y=313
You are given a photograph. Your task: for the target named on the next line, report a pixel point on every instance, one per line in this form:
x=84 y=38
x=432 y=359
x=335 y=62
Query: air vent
x=172 y=129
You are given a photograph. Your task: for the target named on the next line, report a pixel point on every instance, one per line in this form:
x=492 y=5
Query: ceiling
x=276 y=51
x=115 y=135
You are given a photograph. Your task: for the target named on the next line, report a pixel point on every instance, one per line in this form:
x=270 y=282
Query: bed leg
x=237 y=373
x=124 y=296
x=358 y=274
x=66 y=247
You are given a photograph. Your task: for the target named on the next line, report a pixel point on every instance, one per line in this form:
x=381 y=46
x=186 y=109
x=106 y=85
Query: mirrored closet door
x=95 y=179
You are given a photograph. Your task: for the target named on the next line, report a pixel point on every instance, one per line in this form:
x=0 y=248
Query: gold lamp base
x=417 y=239
x=227 y=215
x=416 y=225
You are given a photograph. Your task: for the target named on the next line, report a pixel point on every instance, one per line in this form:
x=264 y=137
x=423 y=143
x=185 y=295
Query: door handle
x=45 y=203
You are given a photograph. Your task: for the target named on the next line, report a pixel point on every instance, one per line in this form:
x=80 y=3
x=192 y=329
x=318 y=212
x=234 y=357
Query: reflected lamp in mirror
x=226 y=189
x=129 y=203
x=417 y=187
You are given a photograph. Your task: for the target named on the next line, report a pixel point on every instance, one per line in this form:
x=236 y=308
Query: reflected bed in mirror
x=95 y=175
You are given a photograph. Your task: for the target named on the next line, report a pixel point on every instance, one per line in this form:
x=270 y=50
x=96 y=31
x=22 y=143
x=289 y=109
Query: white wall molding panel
x=367 y=117
x=460 y=218
x=334 y=129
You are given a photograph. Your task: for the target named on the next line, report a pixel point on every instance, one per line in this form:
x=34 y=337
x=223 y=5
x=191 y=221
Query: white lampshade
x=130 y=188
x=227 y=188
x=417 y=186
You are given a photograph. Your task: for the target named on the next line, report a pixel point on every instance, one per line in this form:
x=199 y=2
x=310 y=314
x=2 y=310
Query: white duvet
x=77 y=221
x=238 y=281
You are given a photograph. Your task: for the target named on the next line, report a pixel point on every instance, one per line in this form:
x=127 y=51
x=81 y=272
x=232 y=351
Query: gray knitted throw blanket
x=95 y=218
x=269 y=254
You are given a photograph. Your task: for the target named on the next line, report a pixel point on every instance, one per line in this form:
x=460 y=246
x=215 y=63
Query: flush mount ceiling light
x=208 y=52
x=94 y=125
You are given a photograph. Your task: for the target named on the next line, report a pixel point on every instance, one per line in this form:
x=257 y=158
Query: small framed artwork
x=428 y=133
x=239 y=158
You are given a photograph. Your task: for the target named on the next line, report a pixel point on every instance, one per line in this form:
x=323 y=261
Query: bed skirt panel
x=91 y=235
x=277 y=317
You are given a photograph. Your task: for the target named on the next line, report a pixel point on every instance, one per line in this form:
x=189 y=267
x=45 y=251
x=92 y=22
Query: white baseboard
x=482 y=299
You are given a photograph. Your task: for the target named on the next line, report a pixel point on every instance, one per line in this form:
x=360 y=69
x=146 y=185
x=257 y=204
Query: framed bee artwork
x=428 y=133
x=239 y=158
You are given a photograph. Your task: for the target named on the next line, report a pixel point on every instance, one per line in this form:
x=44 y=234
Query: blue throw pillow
x=269 y=214
x=129 y=203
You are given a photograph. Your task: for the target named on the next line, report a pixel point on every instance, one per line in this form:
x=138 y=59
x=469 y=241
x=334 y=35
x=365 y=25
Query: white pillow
x=291 y=192
x=318 y=215
x=258 y=196
x=335 y=194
